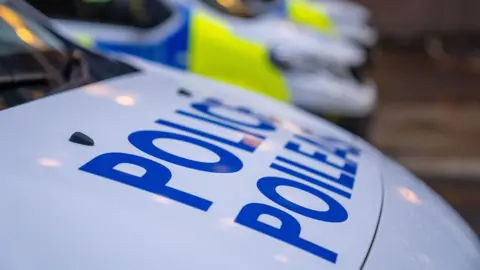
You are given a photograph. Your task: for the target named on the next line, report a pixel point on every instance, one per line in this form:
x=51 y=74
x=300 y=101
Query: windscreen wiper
x=16 y=88
x=23 y=79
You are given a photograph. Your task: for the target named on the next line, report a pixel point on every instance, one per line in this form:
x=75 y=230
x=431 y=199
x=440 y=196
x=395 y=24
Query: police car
x=292 y=69
x=336 y=19
x=349 y=18
x=339 y=20
x=138 y=166
x=285 y=21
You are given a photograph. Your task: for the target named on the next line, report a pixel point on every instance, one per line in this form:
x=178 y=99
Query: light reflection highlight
x=18 y=25
x=227 y=3
x=48 y=162
x=125 y=100
x=251 y=141
x=227 y=222
x=281 y=258
x=10 y=17
x=161 y=199
x=98 y=90
x=291 y=127
x=409 y=195
x=25 y=35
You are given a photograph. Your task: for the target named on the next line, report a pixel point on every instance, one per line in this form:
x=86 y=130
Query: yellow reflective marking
x=85 y=40
x=216 y=52
x=311 y=14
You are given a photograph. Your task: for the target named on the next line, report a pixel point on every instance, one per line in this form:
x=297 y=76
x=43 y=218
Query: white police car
x=143 y=167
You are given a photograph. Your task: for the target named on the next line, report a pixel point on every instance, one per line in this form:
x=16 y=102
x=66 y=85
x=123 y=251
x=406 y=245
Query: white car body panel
x=140 y=219
x=345 y=12
x=271 y=31
x=417 y=230
x=351 y=21
x=317 y=92
x=56 y=217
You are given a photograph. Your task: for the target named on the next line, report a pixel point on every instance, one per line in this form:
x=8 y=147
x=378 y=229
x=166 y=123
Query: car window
x=242 y=8
x=137 y=13
x=36 y=62
x=17 y=33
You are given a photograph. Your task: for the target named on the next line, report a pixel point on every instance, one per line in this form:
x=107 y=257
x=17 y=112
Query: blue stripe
x=280 y=9
x=172 y=50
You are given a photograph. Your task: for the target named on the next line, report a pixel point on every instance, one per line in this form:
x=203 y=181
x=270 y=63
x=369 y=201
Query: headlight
x=363 y=34
x=293 y=61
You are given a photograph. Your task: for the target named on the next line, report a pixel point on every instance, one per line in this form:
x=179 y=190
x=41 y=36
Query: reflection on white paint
x=227 y=222
x=48 y=162
x=281 y=258
x=161 y=199
x=409 y=195
x=291 y=127
x=424 y=258
x=270 y=146
x=97 y=90
x=125 y=100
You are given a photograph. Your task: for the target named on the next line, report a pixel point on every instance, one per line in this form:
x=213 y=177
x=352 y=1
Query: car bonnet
x=184 y=173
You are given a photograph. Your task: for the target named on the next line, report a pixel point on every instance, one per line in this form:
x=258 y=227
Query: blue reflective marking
x=336 y=213
x=349 y=167
x=143 y=140
x=344 y=180
x=289 y=231
x=311 y=180
x=184 y=113
x=154 y=180
x=263 y=124
x=240 y=145
x=280 y=9
x=172 y=50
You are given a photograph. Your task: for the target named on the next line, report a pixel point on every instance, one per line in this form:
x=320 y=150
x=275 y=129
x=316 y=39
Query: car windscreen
x=242 y=8
x=36 y=62
x=137 y=13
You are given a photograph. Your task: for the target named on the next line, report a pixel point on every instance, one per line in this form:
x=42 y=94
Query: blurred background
x=428 y=72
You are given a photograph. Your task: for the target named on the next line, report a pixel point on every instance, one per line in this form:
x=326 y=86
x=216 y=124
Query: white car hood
x=56 y=216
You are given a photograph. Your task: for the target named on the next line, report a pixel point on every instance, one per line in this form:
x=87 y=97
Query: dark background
x=428 y=72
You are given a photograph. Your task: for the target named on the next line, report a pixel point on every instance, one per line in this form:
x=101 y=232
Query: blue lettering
x=351 y=149
x=349 y=167
x=344 y=180
x=244 y=144
x=206 y=107
x=154 y=180
x=184 y=113
x=311 y=180
x=289 y=231
x=342 y=153
x=228 y=163
x=335 y=214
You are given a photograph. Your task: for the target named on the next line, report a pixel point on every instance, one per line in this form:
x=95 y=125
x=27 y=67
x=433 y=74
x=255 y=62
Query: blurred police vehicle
x=289 y=68
x=115 y=165
x=339 y=20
